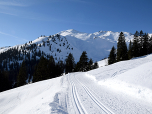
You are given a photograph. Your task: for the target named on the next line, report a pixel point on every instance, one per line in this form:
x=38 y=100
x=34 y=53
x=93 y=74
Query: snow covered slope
x=121 y=88
x=103 y=62
x=133 y=77
x=30 y=99
x=97 y=45
x=2 y=49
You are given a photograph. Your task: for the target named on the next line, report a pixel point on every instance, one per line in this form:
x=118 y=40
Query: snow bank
x=30 y=99
x=132 y=77
x=103 y=62
x=136 y=82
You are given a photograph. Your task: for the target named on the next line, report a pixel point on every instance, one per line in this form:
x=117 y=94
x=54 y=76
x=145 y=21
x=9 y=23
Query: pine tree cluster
x=14 y=73
x=141 y=45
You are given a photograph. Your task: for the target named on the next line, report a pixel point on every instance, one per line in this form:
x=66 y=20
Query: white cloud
x=8 y=13
x=17 y=38
x=11 y=3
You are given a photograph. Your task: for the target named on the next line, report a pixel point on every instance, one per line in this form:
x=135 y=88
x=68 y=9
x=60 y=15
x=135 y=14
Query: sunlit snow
x=121 y=88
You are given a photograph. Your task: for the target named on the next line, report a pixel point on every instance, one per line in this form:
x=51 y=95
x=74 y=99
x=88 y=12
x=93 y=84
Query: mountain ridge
x=97 y=44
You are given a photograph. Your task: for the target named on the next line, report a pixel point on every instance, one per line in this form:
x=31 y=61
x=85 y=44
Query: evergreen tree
x=69 y=65
x=121 y=48
x=130 y=50
x=5 y=84
x=95 y=66
x=90 y=65
x=41 y=72
x=141 y=41
x=83 y=62
x=21 y=79
x=145 y=44
x=141 y=33
x=112 y=56
x=136 y=33
x=77 y=67
x=136 y=46
x=51 y=67
x=59 y=68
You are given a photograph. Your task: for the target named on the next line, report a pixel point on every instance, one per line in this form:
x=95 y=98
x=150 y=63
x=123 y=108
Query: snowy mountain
x=121 y=88
x=2 y=49
x=97 y=45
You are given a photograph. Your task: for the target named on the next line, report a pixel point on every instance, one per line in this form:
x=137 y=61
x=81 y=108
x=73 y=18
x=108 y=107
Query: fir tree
x=141 y=41
x=51 y=67
x=21 y=79
x=5 y=84
x=77 y=67
x=136 y=46
x=41 y=72
x=145 y=44
x=136 y=33
x=59 y=68
x=112 y=56
x=121 y=48
x=95 y=66
x=141 y=33
x=90 y=65
x=130 y=52
x=83 y=62
x=69 y=65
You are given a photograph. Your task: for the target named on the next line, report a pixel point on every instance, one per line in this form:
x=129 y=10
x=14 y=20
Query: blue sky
x=25 y=20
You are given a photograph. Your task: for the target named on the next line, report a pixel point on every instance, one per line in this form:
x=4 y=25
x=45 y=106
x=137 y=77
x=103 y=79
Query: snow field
x=135 y=82
x=130 y=78
x=30 y=99
x=103 y=62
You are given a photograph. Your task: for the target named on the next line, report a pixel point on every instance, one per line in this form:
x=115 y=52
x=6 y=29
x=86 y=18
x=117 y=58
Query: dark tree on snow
x=41 y=71
x=21 y=79
x=83 y=62
x=69 y=63
x=130 y=51
x=112 y=56
x=121 y=48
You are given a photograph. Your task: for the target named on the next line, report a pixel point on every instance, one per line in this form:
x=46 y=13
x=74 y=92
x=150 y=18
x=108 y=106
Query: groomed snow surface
x=121 y=88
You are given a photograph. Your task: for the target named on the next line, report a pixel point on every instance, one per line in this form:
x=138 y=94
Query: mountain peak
x=69 y=31
x=72 y=30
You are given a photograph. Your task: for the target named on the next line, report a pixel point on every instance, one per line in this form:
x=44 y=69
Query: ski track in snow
x=96 y=99
x=76 y=99
x=95 y=102
x=92 y=96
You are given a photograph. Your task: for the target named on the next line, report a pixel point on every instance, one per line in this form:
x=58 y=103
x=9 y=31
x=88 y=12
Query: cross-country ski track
x=102 y=109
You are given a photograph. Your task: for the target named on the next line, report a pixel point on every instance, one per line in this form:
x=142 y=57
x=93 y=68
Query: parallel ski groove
x=105 y=109
x=77 y=102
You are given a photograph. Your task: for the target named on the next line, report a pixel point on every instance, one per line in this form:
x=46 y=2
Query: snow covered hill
x=121 y=88
x=97 y=45
x=2 y=49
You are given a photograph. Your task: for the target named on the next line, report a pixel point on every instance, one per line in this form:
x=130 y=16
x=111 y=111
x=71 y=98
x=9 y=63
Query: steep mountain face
x=97 y=45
